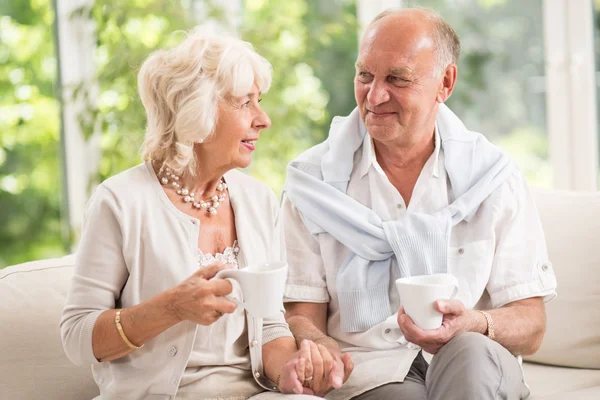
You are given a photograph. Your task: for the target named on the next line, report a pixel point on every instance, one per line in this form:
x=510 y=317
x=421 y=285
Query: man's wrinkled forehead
x=390 y=46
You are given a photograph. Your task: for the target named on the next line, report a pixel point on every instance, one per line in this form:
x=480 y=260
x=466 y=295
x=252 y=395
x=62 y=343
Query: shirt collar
x=368 y=157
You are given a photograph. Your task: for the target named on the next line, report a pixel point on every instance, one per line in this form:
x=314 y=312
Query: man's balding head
x=406 y=67
x=399 y=23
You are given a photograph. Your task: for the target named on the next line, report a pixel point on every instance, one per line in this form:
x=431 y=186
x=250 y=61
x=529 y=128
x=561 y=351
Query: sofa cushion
x=34 y=365
x=571 y=223
x=554 y=383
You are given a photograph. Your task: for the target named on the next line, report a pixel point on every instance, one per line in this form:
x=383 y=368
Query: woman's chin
x=243 y=162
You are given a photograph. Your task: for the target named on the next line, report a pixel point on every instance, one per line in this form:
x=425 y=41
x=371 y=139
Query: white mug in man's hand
x=262 y=287
x=419 y=293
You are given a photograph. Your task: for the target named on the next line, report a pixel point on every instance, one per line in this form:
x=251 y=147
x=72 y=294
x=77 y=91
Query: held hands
x=314 y=370
x=457 y=319
x=200 y=298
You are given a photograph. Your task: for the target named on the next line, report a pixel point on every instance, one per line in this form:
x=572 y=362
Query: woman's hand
x=200 y=298
x=314 y=370
x=292 y=375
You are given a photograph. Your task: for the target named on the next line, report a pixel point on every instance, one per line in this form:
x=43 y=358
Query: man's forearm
x=303 y=328
x=519 y=326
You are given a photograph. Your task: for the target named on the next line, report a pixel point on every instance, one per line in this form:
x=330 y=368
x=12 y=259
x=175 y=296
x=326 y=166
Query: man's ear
x=447 y=83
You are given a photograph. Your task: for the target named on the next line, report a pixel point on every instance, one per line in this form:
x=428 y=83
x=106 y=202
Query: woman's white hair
x=181 y=87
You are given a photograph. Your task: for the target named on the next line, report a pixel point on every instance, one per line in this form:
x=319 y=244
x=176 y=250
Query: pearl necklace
x=210 y=205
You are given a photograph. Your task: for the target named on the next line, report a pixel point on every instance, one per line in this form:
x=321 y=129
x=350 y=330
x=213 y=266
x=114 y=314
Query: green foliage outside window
x=312 y=45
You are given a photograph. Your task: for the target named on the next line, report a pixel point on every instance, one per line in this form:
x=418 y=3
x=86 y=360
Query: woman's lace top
x=229 y=256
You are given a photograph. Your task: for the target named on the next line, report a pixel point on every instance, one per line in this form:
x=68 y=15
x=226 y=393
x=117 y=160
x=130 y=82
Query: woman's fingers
x=306 y=353
x=224 y=305
x=220 y=287
x=288 y=381
x=210 y=271
x=300 y=369
x=317 y=365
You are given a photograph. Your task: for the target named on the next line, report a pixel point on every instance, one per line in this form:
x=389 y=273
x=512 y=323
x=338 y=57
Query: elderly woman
x=145 y=308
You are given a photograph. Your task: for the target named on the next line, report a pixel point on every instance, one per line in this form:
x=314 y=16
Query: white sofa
x=33 y=365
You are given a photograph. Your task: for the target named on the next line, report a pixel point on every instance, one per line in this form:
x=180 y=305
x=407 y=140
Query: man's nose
x=377 y=94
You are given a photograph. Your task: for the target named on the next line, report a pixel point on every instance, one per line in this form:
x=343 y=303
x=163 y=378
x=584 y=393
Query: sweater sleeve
x=100 y=274
x=276 y=327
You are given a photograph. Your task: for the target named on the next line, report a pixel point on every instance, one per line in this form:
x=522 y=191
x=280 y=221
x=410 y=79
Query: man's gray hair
x=445 y=39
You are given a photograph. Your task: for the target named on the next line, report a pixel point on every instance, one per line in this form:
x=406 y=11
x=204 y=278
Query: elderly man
x=402 y=188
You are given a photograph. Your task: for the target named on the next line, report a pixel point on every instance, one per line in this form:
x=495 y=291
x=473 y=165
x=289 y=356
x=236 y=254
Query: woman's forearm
x=140 y=323
x=276 y=353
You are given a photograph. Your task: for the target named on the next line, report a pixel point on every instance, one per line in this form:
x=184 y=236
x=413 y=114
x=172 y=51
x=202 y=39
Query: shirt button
x=172 y=351
x=461 y=251
x=545 y=267
x=388 y=330
x=400 y=205
x=253 y=343
x=257 y=374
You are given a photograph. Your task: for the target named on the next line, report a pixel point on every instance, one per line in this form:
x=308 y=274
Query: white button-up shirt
x=499 y=256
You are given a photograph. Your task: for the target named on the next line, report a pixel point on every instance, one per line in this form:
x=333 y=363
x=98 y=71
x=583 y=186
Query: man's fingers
x=421 y=337
x=410 y=331
x=348 y=365
x=327 y=359
x=336 y=376
x=449 y=306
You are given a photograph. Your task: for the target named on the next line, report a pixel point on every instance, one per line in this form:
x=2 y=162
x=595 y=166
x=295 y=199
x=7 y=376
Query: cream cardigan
x=136 y=244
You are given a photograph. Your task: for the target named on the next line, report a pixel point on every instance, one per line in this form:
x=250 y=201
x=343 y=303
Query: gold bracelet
x=278 y=379
x=122 y=333
x=491 y=333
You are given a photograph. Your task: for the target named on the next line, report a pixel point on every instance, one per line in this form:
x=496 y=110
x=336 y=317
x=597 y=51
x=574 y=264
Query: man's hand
x=457 y=319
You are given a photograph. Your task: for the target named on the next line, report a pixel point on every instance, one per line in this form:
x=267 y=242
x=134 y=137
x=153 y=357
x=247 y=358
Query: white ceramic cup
x=419 y=293
x=262 y=287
